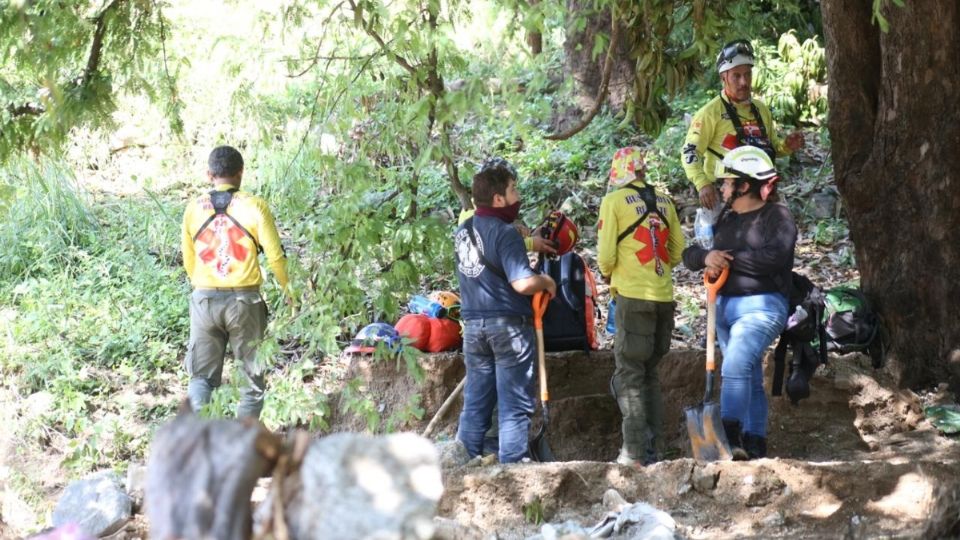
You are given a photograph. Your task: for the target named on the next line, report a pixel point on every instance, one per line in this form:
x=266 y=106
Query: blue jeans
x=746 y=326
x=499 y=354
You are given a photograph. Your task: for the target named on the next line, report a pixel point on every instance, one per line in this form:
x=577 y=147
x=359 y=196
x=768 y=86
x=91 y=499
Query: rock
x=824 y=205
x=613 y=500
x=453 y=454
x=640 y=521
x=136 y=480
x=775 y=519
x=568 y=530
x=451 y=529
x=97 y=504
x=705 y=478
x=360 y=486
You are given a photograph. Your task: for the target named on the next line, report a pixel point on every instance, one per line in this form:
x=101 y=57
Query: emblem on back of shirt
x=468 y=255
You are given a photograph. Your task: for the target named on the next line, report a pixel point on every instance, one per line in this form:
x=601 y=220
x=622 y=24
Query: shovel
x=539 y=447
x=704 y=423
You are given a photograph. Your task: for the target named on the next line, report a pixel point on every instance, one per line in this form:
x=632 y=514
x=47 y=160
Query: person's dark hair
x=494 y=177
x=225 y=162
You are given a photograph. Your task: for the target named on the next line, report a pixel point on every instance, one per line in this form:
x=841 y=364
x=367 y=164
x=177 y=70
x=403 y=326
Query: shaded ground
x=856 y=459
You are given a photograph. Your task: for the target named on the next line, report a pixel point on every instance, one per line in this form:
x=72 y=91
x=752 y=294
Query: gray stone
x=640 y=521
x=136 y=480
x=705 y=478
x=824 y=205
x=97 y=504
x=453 y=454
x=775 y=519
x=451 y=529
x=361 y=486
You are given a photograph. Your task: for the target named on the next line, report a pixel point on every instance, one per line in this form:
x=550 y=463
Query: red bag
x=415 y=326
x=444 y=335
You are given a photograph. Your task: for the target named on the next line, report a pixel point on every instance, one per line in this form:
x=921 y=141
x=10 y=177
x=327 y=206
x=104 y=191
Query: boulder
x=97 y=505
x=362 y=486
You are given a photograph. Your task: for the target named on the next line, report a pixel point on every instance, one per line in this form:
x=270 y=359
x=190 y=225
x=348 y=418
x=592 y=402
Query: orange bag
x=415 y=326
x=444 y=335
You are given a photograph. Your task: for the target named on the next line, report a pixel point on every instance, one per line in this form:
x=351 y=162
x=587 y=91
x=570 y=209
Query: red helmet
x=559 y=229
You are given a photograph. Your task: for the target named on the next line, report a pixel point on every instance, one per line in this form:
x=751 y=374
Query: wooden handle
x=712 y=288
x=542 y=366
x=540 y=301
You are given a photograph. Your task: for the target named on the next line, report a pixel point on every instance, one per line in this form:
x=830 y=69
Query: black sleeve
x=780 y=236
x=694 y=257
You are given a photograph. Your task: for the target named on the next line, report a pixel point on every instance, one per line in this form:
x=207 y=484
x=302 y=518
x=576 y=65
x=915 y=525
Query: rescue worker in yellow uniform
x=733 y=119
x=223 y=232
x=639 y=243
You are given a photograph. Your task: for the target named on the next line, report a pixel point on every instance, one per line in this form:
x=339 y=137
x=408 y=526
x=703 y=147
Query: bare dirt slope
x=854 y=460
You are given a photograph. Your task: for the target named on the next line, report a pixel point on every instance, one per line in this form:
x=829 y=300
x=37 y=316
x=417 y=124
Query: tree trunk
x=895 y=130
x=587 y=70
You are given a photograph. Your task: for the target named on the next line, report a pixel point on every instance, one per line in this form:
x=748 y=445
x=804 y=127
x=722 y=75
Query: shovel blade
x=540 y=447
x=707 y=436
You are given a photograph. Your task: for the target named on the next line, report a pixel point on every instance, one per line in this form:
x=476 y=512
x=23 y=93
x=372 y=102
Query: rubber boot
x=755 y=445
x=732 y=429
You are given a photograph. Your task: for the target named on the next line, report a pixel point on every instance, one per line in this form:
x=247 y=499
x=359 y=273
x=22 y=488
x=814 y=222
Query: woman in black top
x=755 y=238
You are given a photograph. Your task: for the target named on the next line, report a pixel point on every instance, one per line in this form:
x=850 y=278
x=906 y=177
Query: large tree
x=895 y=126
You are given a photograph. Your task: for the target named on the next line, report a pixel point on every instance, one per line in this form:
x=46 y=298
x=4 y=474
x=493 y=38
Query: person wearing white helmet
x=754 y=238
x=732 y=119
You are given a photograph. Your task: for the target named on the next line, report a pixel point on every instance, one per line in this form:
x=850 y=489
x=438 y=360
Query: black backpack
x=839 y=320
x=569 y=322
x=804 y=325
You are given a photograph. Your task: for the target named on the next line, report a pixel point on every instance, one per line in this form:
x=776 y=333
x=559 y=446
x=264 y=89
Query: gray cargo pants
x=237 y=316
x=643 y=335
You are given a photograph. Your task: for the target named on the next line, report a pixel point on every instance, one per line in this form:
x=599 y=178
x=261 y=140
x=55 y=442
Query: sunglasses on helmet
x=732 y=49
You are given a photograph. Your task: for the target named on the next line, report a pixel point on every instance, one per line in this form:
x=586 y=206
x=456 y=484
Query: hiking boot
x=732 y=429
x=625 y=459
x=755 y=445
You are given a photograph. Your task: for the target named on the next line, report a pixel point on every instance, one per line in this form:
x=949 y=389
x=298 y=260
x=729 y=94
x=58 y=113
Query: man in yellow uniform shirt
x=733 y=119
x=223 y=232
x=639 y=242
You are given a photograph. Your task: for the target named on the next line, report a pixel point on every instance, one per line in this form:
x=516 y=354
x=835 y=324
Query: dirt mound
x=856 y=459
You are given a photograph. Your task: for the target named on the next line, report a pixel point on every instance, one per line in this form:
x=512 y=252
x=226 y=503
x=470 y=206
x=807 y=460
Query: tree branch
x=27 y=109
x=604 y=85
x=368 y=28
x=316 y=56
x=93 y=59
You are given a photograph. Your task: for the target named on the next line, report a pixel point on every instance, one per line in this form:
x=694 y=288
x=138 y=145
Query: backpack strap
x=649 y=196
x=497 y=271
x=741 y=136
x=220 y=201
x=779 y=364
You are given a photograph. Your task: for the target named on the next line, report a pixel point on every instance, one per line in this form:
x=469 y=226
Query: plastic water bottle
x=611 y=322
x=703 y=227
x=797 y=317
x=423 y=305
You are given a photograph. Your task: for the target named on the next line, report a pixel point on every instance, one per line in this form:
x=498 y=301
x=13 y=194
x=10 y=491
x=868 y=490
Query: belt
x=248 y=288
x=506 y=319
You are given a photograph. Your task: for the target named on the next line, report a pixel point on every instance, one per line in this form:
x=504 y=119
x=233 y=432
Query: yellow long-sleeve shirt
x=711 y=132
x=223 y=255
x=632 y=264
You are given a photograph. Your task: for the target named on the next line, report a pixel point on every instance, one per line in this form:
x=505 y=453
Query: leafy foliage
x=361 y=123
x=64 y=62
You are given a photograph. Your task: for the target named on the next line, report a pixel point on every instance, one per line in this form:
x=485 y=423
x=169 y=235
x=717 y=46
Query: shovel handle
x=540 y=301
x=712 y=288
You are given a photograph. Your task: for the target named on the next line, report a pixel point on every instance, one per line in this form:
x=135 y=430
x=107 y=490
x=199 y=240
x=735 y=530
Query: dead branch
x=604 y=85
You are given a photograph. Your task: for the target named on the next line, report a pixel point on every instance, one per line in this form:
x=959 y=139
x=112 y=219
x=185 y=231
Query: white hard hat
x=733 y=54
x=747 y=162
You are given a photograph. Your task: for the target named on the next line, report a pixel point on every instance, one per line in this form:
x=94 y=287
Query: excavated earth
x=855 y=460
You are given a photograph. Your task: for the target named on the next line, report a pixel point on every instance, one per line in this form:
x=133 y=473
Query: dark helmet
x=367 y=338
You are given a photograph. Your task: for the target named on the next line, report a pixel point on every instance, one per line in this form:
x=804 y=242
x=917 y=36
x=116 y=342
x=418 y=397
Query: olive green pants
x=216 y=318
x=643 y=336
